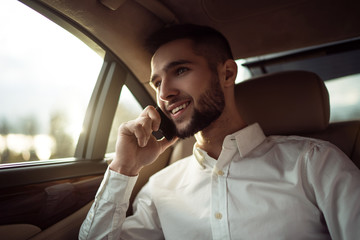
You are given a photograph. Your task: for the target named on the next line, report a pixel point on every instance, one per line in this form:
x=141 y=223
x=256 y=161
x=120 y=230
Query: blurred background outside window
x=46 y=80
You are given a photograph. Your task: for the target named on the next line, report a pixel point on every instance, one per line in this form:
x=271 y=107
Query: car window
x=128 y=109
x=46 y=79
x=243 y=73
x=344 y=96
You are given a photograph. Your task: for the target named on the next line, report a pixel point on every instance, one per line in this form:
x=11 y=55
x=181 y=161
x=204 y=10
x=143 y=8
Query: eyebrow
x=170 y=66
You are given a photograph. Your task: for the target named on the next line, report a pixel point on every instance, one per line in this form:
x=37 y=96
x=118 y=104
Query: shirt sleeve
x=144 y=224
x=107 y=214
x=336 y=183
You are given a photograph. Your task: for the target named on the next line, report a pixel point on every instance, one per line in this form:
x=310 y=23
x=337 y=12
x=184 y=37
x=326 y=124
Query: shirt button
x=220 y=173
x=218 y=215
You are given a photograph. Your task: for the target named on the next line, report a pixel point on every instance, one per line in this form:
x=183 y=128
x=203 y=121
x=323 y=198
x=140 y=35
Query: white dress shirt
x=278 y=187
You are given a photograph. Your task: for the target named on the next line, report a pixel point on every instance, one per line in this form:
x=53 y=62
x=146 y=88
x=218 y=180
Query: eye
x=181 y=70
x=155 y=84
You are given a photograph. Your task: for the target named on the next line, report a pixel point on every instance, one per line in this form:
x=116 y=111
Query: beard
x=212 y=103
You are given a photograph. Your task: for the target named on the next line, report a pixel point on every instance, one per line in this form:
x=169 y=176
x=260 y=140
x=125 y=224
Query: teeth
x=175 y=110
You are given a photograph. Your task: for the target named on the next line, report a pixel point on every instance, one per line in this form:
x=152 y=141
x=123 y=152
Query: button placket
x=218 y=215
x=216 y=199
x=219 y=195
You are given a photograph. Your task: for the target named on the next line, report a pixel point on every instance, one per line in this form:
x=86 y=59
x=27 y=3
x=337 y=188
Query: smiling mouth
x=179 y=108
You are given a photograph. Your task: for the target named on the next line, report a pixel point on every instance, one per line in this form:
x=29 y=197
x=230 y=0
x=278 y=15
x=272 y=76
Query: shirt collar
x=246 y=140
x=249 y=138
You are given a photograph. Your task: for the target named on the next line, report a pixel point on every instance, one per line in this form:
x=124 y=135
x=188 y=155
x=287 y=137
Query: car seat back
x=296 y=103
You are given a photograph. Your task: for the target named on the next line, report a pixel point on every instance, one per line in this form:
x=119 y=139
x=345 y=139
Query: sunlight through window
x=46 y=80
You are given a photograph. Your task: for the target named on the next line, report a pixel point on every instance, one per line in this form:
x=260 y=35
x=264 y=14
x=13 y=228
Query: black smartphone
x=167 y=127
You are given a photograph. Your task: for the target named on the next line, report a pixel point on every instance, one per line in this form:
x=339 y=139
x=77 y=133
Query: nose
x=167 y=90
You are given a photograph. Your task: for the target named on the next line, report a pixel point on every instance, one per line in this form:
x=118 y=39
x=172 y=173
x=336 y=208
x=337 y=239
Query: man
x=238 y=184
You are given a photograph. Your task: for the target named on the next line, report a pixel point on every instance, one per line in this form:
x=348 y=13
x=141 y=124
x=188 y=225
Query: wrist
x=130 y=171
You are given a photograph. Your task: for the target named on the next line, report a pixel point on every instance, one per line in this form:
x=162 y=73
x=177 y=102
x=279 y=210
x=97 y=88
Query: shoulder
x=316 y=152
x=298 y=148
x=294 y=139
x=301 y=143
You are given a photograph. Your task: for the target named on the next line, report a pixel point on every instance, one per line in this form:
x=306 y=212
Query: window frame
x=262 y=64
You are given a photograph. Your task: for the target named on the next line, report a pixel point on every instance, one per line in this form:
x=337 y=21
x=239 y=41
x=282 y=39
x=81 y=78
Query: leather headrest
x=285 y=103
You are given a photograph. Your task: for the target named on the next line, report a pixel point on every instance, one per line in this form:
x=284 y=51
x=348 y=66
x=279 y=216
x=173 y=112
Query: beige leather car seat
x=296 y=103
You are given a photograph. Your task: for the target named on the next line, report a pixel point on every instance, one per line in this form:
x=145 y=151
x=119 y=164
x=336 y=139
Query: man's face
x=188 y=92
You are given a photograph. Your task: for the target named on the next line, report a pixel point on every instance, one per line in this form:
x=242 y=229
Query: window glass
x=46 y=79
x=128 y=109
x=243 y=73
x=344 y=95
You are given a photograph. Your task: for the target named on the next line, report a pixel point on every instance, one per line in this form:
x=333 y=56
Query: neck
x=211 y=138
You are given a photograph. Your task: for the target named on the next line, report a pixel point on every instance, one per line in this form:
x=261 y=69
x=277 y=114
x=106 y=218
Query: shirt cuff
x=116 y=187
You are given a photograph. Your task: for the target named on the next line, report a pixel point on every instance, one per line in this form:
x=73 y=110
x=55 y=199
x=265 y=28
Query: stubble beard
x=212 y=103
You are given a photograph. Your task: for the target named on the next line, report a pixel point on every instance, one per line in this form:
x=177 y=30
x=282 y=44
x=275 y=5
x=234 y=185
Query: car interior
x=290 y=48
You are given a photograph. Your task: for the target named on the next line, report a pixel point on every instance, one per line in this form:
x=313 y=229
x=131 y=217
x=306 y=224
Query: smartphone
x=167 y=127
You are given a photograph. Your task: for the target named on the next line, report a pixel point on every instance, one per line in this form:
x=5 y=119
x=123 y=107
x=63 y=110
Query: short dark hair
x=207 y=41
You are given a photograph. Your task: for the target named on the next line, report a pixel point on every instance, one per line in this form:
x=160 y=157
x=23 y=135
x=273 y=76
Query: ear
x=230 y=72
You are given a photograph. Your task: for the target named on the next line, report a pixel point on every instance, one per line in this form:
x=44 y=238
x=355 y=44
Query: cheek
x=198 y=83
x=200 y=87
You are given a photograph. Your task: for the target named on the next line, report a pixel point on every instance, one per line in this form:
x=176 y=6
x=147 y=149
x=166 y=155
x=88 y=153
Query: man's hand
x=136 y=147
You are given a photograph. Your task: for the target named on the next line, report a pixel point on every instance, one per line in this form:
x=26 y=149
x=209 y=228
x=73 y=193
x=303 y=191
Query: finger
x=155 y=116
x=151 y=113
x=140 y=134
x=146 y=123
